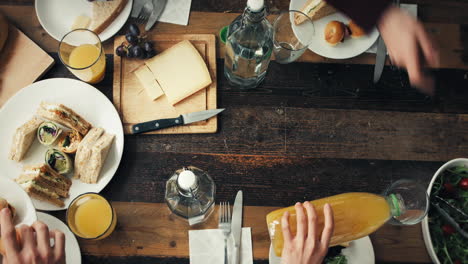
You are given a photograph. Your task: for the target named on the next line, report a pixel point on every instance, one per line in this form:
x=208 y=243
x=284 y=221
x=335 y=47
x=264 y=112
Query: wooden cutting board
x=134 y=105
x=21 y=63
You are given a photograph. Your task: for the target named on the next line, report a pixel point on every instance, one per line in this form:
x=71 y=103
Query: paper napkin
x=176 y=12
x=207 y=246
x=412 y=9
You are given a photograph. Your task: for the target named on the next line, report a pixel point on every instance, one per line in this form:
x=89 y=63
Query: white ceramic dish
x=82 y=98
x=360 y=251
x=18 y=198
x=57 y=16
x=348 y=49
x=425 y=222
x=72 y=248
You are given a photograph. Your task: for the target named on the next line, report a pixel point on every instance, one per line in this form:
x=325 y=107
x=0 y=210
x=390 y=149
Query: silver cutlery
x=159 y=6
x=137 y=6
x=236 y=226
x=224 y=224
x=145 y=12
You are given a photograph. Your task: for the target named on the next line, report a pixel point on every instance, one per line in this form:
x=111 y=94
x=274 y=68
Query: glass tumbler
x=82 y=53
x=290 y=40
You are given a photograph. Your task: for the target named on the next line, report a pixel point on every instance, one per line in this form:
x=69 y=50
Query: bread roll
x=334 y=32
x=356 y=31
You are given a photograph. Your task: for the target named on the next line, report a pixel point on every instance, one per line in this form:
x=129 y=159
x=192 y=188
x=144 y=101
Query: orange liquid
x=356 y=215
x=89 y=61
x=93 y=218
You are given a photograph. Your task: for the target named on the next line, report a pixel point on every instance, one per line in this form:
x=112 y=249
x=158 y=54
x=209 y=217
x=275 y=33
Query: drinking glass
x=411 y=201
x=90 y=216
x=287 y=46
x=82 y=52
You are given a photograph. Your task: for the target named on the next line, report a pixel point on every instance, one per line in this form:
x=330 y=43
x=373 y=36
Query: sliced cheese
x=146 y=78
x=81 y=21
x=180 y=70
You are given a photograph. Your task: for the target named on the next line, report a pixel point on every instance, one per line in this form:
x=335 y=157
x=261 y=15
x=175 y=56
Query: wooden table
x=311 y=130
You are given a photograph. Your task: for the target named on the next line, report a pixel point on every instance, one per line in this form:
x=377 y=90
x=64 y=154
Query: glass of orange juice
x=91 y=216
x=82 y=52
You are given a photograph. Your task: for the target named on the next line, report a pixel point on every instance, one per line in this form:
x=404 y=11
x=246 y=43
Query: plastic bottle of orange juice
x=359 y=214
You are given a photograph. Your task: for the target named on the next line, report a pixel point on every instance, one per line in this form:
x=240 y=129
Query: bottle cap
x=255 y=5
x=187 y=180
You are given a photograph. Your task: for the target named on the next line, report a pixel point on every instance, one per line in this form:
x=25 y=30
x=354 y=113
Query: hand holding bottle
x=307 y=246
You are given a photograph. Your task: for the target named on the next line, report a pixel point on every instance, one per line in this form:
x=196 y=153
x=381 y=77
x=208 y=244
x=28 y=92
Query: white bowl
x=425 y=222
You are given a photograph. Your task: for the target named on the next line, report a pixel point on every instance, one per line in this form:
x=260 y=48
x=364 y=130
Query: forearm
x=365 y=13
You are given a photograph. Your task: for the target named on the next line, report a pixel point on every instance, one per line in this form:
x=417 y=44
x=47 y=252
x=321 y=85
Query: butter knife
x=236 y=226
x=178 y=121
x=159 y=6
x=380 y=59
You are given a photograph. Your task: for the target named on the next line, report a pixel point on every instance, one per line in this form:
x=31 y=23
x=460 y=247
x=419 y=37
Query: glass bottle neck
x=253 y=17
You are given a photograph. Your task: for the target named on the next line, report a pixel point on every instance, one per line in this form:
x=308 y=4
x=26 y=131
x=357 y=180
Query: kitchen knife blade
x=236 y=226
x=380 y=59
x=159 y=6
x=170 y=122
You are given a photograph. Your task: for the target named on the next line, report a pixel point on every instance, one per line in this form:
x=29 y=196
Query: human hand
x=409 y=46
x=35 y=243
x=306 y=247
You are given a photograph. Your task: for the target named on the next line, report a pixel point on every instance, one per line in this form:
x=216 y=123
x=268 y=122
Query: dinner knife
x=178 y=121
x=159 y=6
x=236 y=226
x=137 y=6
x=380 y=59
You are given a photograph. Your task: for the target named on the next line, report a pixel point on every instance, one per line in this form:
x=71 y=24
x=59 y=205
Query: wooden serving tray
x=133 y=104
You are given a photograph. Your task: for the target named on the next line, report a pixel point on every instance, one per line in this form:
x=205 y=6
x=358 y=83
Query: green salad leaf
x=450 y=247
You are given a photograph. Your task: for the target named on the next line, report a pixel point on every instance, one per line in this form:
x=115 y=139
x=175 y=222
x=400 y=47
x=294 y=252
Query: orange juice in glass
x=82 y=52
x=91 y=216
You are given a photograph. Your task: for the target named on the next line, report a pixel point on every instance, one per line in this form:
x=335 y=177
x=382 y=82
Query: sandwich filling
x=313 y=5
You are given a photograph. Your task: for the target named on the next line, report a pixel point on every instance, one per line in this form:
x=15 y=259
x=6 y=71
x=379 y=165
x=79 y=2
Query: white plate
x=82 y=98
x=348 y=49
x=17 y=197
x=72 y=248
x=359 y=252
x=57 y=16
x=425 y=222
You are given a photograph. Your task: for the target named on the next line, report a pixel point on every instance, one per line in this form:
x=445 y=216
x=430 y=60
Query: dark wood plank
x=266 y=181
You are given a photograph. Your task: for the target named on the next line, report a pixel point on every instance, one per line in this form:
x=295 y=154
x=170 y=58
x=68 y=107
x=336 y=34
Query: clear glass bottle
x=190 y=193
x=249 y=45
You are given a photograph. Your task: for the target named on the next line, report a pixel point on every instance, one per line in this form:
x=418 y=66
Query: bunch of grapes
x=137 y=46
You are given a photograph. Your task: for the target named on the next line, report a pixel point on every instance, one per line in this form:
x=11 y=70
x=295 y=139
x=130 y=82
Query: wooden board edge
x=116 y=84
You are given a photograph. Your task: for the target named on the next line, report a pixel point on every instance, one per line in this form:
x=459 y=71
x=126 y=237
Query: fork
x=224 y=224
x=145 y=12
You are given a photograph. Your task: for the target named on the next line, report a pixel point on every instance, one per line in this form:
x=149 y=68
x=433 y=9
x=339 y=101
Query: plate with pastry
x=336 y=36
x=60 y=144
x=19 y=203
x=105 y=18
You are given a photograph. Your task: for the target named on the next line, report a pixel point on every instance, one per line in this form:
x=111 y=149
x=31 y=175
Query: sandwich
x=4 y=204
x=43 y=183
x=64 y=116
x=98 y=156
x=69 y=142
x=83 y=152
x=23 y=139
x=314 y=9
x=104 y=13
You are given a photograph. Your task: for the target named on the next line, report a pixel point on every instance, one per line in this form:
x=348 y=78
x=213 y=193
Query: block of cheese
x=180 y=70
x=81 y=21
x=146 y=78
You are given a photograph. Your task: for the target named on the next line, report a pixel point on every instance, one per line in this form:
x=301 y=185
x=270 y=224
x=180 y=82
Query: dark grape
x=143 y=54
x=150 y=54
x=148 y=46
x=134 y=30
x=131 y=38
x=136 y=51
x=120 y=51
